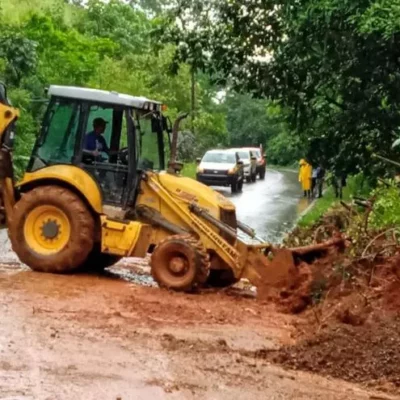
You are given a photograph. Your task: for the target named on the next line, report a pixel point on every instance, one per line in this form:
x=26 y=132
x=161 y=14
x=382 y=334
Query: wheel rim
x=47 y=230
x=177 y=265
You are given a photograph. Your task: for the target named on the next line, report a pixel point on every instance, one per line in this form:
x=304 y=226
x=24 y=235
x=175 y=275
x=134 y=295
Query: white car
x=261 y=160
x=221 y=168
x=249 y=163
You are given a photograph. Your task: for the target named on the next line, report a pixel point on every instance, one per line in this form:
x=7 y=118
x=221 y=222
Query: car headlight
x=200 y=170
x=231 y=171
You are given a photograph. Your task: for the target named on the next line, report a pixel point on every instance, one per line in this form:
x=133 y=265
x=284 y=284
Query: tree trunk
x=193 y=98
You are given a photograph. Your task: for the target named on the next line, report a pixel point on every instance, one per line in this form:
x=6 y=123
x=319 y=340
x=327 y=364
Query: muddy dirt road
x=106 y=337
x=91 y=337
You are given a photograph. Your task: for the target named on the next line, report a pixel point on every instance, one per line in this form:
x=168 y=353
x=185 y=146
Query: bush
x=386 y=211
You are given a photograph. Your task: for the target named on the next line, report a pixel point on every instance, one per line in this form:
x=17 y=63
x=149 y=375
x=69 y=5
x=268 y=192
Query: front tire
x=52 y=230
x=180 y=263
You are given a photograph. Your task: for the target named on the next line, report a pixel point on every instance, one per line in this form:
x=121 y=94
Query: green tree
x=66 y=56
x=333 y=65
x=19 y=55
x=119 y=22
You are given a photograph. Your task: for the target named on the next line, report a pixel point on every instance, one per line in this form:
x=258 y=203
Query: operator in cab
x=95 y=143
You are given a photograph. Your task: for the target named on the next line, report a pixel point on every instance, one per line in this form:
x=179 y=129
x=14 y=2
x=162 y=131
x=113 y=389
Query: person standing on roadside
x=314 y=181
x=320 y=179
x=305 y=177
x=339 y=181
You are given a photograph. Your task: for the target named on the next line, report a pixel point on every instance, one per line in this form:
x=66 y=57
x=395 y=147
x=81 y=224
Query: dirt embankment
x=367 y=354
x=350 y=303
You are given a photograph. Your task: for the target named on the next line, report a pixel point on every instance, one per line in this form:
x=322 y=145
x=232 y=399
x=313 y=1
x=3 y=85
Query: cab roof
x=104 y=96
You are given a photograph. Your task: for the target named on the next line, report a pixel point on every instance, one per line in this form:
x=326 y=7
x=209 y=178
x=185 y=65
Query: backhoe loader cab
x=95 y=190
x=107 y=134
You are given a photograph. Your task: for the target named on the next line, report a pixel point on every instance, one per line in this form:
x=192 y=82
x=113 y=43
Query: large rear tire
x=180 y=263
x=52 y=230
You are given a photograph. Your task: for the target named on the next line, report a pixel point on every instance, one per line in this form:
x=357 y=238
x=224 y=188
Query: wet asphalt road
x=271 y=207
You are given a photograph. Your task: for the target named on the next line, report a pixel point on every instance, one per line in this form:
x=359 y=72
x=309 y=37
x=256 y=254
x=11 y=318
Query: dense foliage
x=114 y=45
x=386 y=210
x=333 y=65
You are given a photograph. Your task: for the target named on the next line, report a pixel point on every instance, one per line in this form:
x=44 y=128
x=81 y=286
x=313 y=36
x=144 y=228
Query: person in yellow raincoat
x=305 y=177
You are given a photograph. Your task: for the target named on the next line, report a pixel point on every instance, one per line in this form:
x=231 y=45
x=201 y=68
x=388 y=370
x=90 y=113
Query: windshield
x=244 y=155
x=220 y=157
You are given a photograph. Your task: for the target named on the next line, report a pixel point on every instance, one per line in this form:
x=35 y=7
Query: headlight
x=200 y=170
x=231 y=171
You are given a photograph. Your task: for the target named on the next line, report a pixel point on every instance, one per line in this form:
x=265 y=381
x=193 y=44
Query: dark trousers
x=313 y=186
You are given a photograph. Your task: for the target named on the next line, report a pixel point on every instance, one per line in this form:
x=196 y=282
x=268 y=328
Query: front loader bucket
x=269 y=272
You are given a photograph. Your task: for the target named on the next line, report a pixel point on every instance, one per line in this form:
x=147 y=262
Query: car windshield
x=219 y=157
x=244 y=155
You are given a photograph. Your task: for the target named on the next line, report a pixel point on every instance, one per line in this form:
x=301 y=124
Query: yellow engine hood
x=190 y=190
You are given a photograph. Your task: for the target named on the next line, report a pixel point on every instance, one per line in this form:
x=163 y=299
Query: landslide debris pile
x=350 y=300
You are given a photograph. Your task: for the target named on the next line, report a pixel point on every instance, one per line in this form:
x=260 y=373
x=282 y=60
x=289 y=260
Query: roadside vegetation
x=189 y=170
x=115 y=45
x=357 y=186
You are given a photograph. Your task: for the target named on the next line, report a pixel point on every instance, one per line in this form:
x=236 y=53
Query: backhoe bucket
x=269 y=270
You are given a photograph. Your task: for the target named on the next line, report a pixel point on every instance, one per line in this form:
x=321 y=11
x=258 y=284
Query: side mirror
x=265 y=155
x=240 y=162
x=198 y=160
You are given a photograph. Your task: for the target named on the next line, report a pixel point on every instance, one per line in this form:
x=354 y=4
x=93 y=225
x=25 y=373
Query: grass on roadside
x=189 y=170
x=355 y=187
x=319 y=208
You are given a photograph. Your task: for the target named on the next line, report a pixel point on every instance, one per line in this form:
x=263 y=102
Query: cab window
x=56 y=143
x=147 y=143
x=98 y=113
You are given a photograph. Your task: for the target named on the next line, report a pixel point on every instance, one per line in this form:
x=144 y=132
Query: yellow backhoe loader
x=97 y=189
